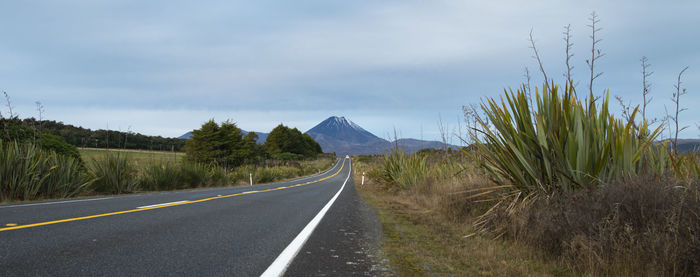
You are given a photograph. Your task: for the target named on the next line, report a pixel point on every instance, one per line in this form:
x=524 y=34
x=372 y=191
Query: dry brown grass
x=639 y=227
x=427 y=230
x=643 y=226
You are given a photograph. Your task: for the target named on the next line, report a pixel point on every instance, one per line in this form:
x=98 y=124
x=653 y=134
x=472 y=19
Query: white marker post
x=251 y=179
x=363 y=178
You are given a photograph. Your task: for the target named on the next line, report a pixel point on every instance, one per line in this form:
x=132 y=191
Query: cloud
x=311 y=59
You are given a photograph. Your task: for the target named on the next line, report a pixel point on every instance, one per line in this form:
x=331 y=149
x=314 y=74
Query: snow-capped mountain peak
x=341 y=128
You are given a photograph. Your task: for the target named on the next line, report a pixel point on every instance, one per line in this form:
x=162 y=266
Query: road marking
x=11 y=224
x=279 y=266
x=156 y=207
x=57 y=202
x=248 y=192
x=162 y=204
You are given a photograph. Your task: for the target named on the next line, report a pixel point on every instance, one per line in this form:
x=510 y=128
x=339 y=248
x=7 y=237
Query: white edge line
x=51 y=203
x=247 y=192
x=279 y=266
x=162 y=204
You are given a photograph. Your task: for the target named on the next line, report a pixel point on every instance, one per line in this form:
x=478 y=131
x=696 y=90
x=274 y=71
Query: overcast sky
x=165 y=67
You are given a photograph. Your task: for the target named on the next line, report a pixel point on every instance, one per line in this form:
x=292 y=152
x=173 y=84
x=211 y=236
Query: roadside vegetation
x=32 y=173
x=35 y=164
x=588 y=192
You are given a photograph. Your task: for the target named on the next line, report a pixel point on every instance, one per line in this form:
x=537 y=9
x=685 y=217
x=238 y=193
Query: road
x=234 y=231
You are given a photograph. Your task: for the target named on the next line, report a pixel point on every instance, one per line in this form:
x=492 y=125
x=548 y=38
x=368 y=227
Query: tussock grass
x=114 y=173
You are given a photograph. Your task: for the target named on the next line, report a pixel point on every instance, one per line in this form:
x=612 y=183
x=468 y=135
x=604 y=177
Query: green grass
x=140 y=157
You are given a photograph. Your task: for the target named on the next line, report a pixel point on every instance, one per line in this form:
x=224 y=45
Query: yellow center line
x=165 y=206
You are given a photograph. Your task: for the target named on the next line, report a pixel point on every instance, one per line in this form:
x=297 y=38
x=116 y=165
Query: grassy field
x=138 y=156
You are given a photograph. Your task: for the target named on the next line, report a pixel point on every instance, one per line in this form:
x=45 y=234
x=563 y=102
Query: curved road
x=235 y=231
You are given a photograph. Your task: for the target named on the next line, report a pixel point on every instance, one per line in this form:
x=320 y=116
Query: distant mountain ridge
x=685 y=145
x=344 y=137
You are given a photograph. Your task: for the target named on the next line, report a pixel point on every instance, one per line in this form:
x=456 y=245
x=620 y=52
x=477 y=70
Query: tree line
x=14 y=129
x=225 y=145
x=82 y=137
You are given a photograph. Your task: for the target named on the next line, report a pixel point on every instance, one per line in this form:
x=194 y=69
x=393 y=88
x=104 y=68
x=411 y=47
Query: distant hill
x=686 y=145
x=342 y=136
x=413 y=145
x=187 y=135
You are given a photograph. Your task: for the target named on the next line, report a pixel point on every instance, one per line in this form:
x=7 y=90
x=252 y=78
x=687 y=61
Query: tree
x=204 y=144
x=252 y=151
x=277 y=140
x=283 y=141
x=18 y=130
x=312 y=145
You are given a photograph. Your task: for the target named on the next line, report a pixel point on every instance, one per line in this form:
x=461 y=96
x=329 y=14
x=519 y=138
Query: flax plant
x=405 y=170
x=113 y=173
x=28 y=172
x=563 y=146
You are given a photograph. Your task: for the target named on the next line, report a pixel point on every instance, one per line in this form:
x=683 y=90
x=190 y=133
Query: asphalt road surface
x=256 y=230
